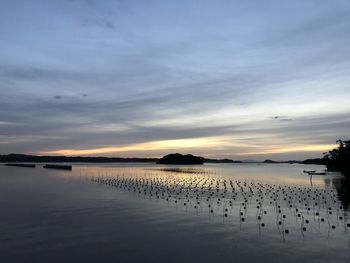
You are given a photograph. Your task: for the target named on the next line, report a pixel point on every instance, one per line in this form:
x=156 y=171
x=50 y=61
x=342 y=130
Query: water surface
x=105 y=213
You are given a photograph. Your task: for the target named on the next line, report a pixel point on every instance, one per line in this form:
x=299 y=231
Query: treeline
x=338 y=159
x=69 y=159
x=221 y=161
x=320 y=161
x=10 y=158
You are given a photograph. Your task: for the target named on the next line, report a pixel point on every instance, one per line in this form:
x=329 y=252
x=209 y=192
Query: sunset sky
x=236 y=79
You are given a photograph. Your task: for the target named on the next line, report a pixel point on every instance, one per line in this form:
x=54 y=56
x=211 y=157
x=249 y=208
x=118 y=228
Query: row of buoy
x=219 y=196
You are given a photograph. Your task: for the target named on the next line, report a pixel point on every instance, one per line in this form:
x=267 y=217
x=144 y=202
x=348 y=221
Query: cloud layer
x=143 y=78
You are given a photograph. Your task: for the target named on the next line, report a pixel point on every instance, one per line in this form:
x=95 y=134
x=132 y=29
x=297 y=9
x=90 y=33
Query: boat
x=21 y=165
x=311 y=171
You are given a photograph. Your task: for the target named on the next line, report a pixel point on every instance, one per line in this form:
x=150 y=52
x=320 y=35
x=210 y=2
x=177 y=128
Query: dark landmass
x=70 y=159
x=14 y=158
x=338 y=159
x=23 y=158
x=269 y=161
x=221 y=161
x=320 y=161
x=177 y=158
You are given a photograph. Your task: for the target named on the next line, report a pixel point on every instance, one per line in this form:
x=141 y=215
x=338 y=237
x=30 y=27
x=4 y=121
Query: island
x=177 y=158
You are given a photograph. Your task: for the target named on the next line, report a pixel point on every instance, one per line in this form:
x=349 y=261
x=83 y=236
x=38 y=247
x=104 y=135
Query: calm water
x=150 y=213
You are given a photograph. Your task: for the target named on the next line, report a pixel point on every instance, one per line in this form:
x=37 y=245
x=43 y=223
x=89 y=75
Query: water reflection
x=286 y=208
x=271 y=173
x=342 y=186
x=96 y=212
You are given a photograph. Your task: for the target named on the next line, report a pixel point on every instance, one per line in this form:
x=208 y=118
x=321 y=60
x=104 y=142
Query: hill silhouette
x=177 y=158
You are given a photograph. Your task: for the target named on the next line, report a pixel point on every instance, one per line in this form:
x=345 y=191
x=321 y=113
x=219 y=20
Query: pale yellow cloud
x=205 y=144
x=148 y=146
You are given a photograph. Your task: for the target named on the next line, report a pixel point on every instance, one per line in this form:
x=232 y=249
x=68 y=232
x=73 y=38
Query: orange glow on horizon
x=206 y=143
x=148 y=146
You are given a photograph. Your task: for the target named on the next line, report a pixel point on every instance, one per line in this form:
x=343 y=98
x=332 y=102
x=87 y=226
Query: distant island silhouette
x=70 y=159
x=177 y=158
x=17 y=158
x=12 y=158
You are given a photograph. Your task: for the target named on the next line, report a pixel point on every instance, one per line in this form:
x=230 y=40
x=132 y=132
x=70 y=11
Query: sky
x=221 y=79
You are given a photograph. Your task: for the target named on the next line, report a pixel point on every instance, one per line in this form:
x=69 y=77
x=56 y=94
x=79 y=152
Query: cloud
x=133 y=74
x=281 y=118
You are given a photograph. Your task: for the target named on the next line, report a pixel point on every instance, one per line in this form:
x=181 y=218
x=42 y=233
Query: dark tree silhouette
x=338 y=159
